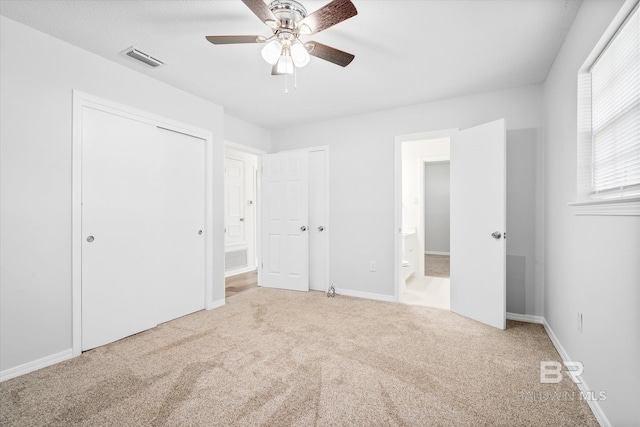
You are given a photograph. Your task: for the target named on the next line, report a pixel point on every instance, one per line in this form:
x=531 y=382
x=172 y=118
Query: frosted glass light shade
x=285 y=65
x=299 y=55
x=271 y=51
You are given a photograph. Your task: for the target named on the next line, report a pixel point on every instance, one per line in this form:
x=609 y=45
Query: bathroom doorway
x=426 y=223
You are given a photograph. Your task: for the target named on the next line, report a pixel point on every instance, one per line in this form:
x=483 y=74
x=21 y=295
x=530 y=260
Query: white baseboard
x=584 y=388
x=35 y=365
x=366 y=295
x=239 y=271
x=436 y=253
x=529 y=318
x=215 y=304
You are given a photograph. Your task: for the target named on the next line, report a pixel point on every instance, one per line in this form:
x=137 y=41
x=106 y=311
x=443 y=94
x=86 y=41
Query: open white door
x=478 y=209
x=285 y=238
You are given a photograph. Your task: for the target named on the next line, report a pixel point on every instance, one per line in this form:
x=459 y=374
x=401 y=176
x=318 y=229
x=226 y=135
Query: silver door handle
x=303 y=228
x=496 y=235
x=321 y=228
x=241 y=219
x=90 y=239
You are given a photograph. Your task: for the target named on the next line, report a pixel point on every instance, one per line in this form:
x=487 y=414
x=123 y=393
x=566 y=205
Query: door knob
x=496 y=235
x=303 y=228
x=321 y=228
x=241 y=219
x=200 y=231
x=90 y=239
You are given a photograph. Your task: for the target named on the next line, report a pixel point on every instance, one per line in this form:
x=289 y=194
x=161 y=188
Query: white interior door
x=478 y=209
x=234 y=201
x=285 y=234
x=142 y=212
x=318 y=221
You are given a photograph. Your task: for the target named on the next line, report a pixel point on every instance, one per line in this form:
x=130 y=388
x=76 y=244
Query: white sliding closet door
x=142 y=210
x=180 y=186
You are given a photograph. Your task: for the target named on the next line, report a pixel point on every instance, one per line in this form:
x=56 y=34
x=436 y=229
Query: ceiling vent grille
x=141 y=56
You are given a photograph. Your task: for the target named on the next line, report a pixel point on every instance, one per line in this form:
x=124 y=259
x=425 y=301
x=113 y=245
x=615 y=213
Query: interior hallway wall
x=591 y=261
x=362 y=175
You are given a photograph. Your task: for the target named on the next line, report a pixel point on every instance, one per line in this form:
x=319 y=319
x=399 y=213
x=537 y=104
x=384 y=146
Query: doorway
x=477 y=219
x=426 y=223
x=241 y=217
x=295 y=220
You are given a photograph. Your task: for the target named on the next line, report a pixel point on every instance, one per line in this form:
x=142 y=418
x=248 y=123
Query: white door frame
x=83 y=100
x=258 y=225
x=397 y=214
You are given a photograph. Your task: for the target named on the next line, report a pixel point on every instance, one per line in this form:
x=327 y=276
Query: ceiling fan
x=288 y=20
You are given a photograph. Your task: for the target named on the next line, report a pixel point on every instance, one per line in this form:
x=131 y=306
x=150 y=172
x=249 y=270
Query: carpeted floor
x=279 y=358
x=436 y=265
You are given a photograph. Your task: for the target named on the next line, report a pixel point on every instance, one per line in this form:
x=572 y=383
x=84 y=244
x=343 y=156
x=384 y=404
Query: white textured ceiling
x=407 y=52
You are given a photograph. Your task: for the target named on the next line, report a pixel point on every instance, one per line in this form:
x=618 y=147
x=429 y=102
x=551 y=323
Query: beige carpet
x=436 y=265
x=280 y=358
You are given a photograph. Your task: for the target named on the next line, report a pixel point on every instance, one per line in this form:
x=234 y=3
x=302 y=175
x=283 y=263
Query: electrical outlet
x=579 y=322
x=372 y=266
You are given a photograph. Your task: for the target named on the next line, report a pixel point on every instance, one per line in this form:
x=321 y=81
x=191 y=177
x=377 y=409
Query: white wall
x=38 y=75
x=436 y=207
x=362 y=172
x=244 y=133
x=592 y=262
x=525 y=272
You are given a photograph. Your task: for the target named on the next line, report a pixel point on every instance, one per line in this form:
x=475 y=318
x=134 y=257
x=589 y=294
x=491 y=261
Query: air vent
x=141 y=56
x=235 y=259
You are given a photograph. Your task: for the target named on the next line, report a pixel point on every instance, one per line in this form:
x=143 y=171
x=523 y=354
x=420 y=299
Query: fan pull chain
x=295 y=77
x=286 y=83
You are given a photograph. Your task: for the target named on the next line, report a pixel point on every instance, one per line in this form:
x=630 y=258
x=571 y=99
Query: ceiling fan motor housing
x=289 y=12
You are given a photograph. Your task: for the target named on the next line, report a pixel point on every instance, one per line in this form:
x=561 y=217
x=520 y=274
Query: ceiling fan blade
x=329 y=53
x=262 y=11
x=327 y=16
x=236 y=39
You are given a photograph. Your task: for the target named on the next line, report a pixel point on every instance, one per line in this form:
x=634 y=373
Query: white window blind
x=615 y=109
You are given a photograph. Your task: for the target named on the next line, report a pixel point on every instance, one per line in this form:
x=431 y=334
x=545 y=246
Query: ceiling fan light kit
x=288 y=20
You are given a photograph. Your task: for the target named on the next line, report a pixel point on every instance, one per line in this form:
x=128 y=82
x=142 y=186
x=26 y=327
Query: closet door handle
x=320 y=228
x=496 y=235
x=303 y=228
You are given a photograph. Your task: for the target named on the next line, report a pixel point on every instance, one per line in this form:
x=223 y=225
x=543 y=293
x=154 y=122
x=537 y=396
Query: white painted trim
x=365 y=295
x=613 y=207
x=528 y=318
x=244 y=148
x=584 y=388
x=216 y=304
x=36 y=364
x=80 y=101
x=397 y=196
x=436 y=253
x=239 y=271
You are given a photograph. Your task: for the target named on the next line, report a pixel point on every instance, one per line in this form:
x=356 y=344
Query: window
x=615 y=114
x=609 y=120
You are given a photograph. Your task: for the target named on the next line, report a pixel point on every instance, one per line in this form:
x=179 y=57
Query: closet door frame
x=81 y=101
